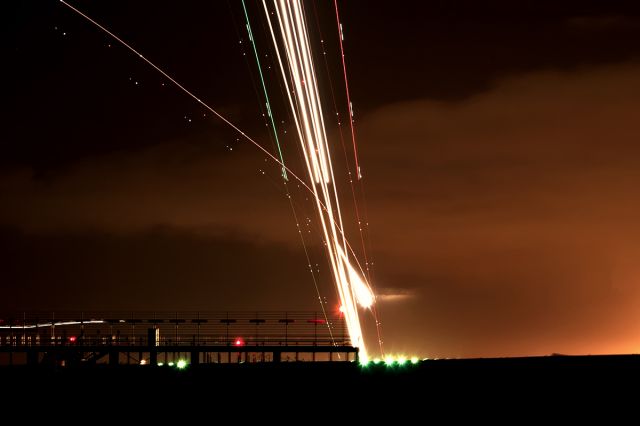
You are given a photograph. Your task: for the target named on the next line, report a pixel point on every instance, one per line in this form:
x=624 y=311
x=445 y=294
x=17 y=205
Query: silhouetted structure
x=72 y=338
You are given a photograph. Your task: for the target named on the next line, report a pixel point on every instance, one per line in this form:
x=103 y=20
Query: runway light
x=181 y=364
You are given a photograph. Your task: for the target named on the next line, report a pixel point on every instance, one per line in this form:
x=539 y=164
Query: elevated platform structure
x=72 y=338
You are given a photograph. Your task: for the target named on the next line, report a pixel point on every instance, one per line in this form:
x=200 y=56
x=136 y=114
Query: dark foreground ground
x=538 y=386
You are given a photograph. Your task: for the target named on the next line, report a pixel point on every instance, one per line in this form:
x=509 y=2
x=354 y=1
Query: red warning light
x=72 y=339
x=238 y=342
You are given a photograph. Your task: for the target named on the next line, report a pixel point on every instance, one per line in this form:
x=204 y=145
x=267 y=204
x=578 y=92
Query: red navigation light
x=238 y=342
x=72 y=339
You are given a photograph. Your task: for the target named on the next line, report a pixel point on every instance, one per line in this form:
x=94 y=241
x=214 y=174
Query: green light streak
x=264 y=88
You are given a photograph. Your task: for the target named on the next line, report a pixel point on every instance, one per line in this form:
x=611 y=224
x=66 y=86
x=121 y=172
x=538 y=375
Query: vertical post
x=315 y=335
x=228 y=342
x=53 y=327
x=198 y=341
x=153 y=346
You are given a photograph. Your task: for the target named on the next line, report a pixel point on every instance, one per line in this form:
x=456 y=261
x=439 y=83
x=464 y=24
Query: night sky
x=498 y=142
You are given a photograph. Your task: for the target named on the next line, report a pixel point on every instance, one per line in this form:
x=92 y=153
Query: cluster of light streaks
x=305 y=102
x=368 y=261
x=270 y=118
x=306 y=106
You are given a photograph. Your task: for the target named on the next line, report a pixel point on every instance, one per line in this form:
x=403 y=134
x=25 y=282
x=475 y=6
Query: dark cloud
x=160 y=269
x=455 y=49
x=605 y=23
x=174 y=185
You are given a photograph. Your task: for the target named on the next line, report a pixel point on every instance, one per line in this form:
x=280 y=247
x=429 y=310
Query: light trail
x=368 y=261
x=264 y=89
x=307 y=108
x=181 y=87
x=346 y=85
x=49 y=324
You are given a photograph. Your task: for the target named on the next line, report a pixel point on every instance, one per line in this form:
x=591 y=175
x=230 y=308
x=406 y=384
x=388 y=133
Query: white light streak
x=307 y=110
x=50 y=324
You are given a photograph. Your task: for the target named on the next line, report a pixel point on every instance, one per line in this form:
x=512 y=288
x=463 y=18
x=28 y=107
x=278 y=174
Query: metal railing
x=224 y=329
